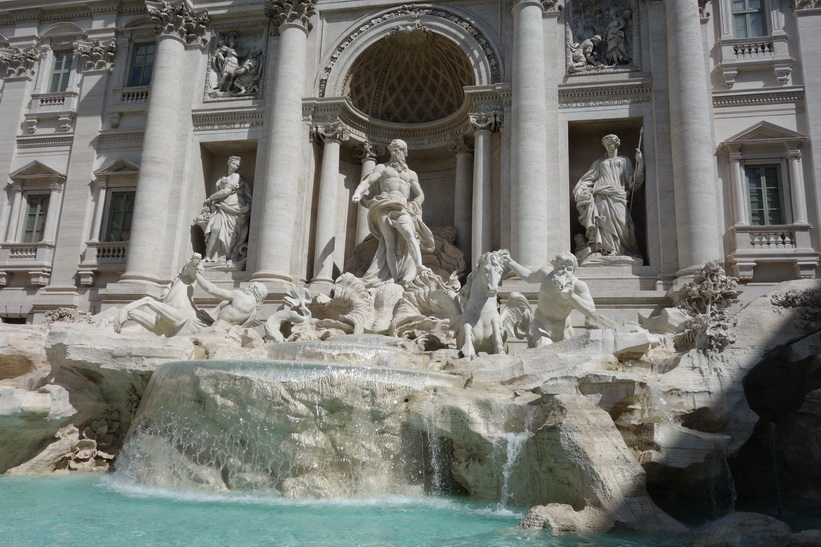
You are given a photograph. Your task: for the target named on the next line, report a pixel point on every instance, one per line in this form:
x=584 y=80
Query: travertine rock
x=563 y=519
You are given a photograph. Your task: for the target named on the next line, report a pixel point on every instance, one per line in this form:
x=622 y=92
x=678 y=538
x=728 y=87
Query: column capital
x=368 y=152
x=293 y=12
x=19 y=62
x=546 y=5
x=330 y=132
x=97 y=55
x=177 y=19
x=487 y=121
x=461 y=145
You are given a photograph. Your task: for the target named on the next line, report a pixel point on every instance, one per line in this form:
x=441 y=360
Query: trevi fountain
x=405 y=389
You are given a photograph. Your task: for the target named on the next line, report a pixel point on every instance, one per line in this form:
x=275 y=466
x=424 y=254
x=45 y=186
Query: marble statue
x=247 y=76
x=602 y=200
x=583 y=55
x=560 y=293
x=226 y=62
x=393 y=196
x=174 y=312
x=224 y=219
x=474 y=312
x=618 y=51
x=238 y=306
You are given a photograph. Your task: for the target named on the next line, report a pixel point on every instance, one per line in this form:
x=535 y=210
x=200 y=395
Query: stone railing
x=787 y=244
x=768 y=53
x=127 y=96
x=109 y=256
x=754 y=49
x=48 y=102
x=33 y=258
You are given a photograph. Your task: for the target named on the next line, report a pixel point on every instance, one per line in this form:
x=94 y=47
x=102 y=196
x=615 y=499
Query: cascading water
x=299 y=429
x=513 y=444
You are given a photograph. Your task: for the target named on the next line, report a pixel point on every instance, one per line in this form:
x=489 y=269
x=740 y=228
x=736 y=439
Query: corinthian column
x=463 y=190
x=281 y=185
x=484 y=124
x=694 y=177
x=332 y=135
x=528 y=169
x=177 y=26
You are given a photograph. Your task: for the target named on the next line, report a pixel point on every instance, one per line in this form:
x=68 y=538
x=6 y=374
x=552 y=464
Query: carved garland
x=413 y=11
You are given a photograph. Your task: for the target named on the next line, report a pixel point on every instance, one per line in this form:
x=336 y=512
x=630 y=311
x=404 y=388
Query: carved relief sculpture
x=602 y=200
x=235 y=70
x=601 y=36
x=224 y=219
x=394 y=200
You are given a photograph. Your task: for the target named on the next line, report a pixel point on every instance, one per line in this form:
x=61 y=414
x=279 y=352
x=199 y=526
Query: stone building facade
x=119 y=117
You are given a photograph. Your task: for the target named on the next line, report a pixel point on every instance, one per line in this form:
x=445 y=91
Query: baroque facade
x=121 y=115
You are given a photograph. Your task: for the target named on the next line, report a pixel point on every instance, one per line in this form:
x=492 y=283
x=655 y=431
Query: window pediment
x=36 y=172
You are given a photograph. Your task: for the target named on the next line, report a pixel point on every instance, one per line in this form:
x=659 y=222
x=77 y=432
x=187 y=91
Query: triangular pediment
x=121 y=167
x=766 y=132
x=36 y=171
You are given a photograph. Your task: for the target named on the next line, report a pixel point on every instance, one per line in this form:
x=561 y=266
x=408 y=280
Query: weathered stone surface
x=563 y=519
x=746 y=530
x=21 y=352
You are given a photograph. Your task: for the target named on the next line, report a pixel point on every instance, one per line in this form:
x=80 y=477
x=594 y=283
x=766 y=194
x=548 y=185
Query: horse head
x=489 y=270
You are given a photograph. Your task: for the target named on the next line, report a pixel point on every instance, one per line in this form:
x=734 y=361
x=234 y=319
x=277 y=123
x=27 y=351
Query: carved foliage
x=18 y=61
x=98 y=56
x=291 y=11
x=806 y=4
x=807 y=306
x=178 y=19
x=706 y=300
x=335 y=131
x=489 y=121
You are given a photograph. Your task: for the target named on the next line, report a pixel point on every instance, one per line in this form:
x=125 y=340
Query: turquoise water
x=93 y=510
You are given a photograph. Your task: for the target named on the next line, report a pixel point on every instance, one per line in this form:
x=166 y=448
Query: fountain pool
x=92 y=510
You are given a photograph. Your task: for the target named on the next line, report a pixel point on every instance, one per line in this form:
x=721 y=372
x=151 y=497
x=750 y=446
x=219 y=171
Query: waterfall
x=722 y=486
x=513 y=444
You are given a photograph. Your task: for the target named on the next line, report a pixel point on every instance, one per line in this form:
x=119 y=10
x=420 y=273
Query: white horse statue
x=174 y=312
x=474 y=312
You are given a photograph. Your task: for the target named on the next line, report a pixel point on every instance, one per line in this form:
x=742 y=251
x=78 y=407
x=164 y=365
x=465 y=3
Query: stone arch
x=475 y=42
x=63 y=29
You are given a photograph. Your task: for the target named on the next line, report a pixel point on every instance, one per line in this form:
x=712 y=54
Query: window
x=61 y=71
x=35 y=222
x=142 y=65
x=766 y=200
x=748 y=18
x=120 y=212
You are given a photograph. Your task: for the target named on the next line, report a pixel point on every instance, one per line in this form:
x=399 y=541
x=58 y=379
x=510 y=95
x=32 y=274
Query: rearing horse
x=479 y=326
x=174 y=312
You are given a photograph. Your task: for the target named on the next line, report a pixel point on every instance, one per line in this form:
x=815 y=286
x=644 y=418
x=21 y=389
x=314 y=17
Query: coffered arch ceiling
x=413 y=75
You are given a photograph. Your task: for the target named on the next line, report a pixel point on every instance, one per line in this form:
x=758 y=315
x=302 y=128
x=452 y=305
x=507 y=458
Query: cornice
x=604 y=95
x=759 y=98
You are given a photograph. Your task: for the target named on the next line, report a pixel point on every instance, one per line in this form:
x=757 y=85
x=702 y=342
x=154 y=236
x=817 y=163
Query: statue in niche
x=235 y=73
x=602 y=200
x=224 y=219
x=560 y=292
x=599 y=38
x=393 y=196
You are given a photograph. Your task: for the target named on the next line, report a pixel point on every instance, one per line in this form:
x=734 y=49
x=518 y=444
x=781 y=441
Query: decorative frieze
x=605 y=95
x=806 y=4
x=759 y=98
x=178 y=19
x=43 y=142
x=19 y=62
x=97 y=55
x=294 y=12
x=227 y=120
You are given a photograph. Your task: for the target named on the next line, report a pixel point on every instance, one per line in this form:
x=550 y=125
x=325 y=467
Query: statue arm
x=638 y=177
x=524 y=273
x=212 y=289
x=416 y=190
x=366 y=183
x=230 y=188
x=582 y=300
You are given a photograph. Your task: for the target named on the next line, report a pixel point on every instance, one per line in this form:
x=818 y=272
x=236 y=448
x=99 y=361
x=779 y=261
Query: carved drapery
x=179 y=20
x=295 y=12
x=97 y=55
x=19 y=61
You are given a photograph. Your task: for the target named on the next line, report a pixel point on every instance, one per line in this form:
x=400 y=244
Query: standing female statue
x=227 y=212
x=601 y=198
